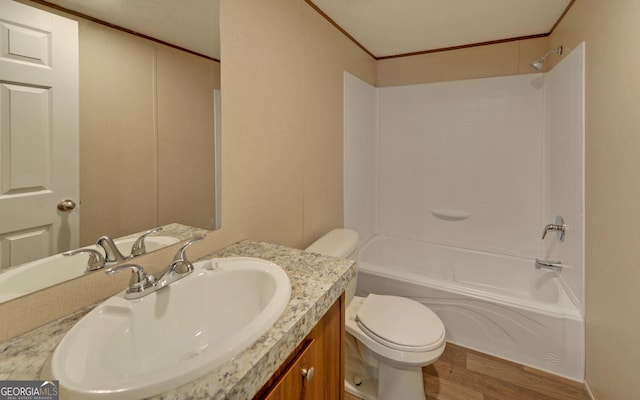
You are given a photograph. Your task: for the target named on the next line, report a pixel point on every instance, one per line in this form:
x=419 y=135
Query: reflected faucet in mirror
x=96 y=259
x=112 y=254
x=49 y=271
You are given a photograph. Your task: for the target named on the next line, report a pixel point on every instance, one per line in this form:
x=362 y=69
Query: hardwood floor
x=463 y=374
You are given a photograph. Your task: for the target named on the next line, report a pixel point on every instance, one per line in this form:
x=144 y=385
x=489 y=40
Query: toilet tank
x=339 y=243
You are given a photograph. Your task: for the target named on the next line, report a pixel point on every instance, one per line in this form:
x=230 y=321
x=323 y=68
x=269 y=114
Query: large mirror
x=149 y=79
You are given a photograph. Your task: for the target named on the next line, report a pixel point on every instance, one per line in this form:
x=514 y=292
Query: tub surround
x=499 y=305
x=316 y=281
x=477 y=166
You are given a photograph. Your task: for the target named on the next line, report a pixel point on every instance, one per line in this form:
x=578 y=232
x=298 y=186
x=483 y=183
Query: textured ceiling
x=392 y=27
x=191 y=24
x=383 y=27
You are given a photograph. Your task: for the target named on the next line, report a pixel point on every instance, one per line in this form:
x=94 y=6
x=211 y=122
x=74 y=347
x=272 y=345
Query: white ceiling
x=191 y=24
x=392 y=27
x=383 y=27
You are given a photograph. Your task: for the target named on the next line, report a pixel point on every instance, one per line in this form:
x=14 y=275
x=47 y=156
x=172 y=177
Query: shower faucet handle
x=559 y=227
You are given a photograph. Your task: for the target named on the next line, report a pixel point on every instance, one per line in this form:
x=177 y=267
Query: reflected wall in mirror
x=146 y=145
x=146 y=133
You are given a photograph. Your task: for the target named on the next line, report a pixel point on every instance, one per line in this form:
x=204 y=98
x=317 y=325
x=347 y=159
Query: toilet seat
x=400 y=323
x=410 y=356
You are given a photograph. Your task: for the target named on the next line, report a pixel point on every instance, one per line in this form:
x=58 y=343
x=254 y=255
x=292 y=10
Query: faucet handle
x=179 y=267
x=180 y=259
x=96 y=259
x=139 y=247
x=111 y=252
x=139 y=283
x=560 y=227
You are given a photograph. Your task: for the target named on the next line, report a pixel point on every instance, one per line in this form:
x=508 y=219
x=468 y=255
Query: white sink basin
x=49 y=271
x=131 y=349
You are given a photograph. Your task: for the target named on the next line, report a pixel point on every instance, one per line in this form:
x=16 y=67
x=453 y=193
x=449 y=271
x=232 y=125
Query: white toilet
x=389 y=339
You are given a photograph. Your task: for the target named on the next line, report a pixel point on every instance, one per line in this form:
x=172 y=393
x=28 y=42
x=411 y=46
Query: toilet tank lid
x=338 y=243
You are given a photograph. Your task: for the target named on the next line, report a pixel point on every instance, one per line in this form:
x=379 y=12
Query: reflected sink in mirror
x=45 y=272
x=130 y=349
x=167 y=88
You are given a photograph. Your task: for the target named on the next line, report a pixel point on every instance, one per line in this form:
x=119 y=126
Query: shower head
x=539 y=63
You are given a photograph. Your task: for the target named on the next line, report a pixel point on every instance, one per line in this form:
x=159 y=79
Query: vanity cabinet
x=315 y=370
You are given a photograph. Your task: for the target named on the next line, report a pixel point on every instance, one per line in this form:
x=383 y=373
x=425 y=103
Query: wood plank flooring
x=463 y=374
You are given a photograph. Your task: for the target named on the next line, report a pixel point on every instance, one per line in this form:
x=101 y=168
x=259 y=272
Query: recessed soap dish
x=449 y=215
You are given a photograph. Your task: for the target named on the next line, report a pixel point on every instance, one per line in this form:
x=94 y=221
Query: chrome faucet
x=559 y=227
x=96 y=259
x=139 y=247
x=552 y=265
x=141 y=283
x=179 y=267
x=111 y=253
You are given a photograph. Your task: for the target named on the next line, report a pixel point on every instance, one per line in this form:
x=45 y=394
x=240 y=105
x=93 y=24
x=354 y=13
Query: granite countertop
x=316 y=283
x=179 y=231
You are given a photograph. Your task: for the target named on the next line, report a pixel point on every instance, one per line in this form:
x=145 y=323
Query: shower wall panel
x=461 y=163
x=564 y=114
x=360 y=156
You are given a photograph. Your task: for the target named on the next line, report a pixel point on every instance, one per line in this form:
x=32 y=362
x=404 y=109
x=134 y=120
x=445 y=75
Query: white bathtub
x=496 y=304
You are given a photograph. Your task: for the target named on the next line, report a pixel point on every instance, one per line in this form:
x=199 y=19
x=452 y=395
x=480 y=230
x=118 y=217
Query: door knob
x=308 y=374
x=66 y=205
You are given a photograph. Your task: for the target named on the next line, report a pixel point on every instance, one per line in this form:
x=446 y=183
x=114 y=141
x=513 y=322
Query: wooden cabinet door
x=294 y=385
x=323 y=353
x=328 y=336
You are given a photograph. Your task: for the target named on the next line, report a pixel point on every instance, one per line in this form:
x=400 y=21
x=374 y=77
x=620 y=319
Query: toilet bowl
x=389 y=338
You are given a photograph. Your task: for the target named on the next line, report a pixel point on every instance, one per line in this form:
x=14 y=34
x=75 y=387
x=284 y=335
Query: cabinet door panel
x=293 y=385
x=324 y=352
x=328 y=355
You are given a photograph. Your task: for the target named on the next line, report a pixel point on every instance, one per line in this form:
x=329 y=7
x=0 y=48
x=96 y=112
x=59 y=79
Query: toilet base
x=397 y=383
x=392 y=383
x=367 y=389
x=360 y=379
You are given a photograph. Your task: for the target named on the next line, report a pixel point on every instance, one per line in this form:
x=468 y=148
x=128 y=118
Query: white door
x=39 y=133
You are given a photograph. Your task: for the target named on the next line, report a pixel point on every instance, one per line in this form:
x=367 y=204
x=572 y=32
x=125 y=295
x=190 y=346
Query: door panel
x=24 y=140
x=39 y=133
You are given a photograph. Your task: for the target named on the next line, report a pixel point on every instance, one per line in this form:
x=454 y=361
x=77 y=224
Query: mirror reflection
x=144 y=151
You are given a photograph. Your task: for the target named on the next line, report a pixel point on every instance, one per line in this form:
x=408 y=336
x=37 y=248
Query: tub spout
x=552 y=265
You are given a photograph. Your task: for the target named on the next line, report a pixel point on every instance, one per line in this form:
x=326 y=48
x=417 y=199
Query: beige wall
x=282 y=74
x=146 y=123
x=612 y=35
x=509 y=58
x=185 y=141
